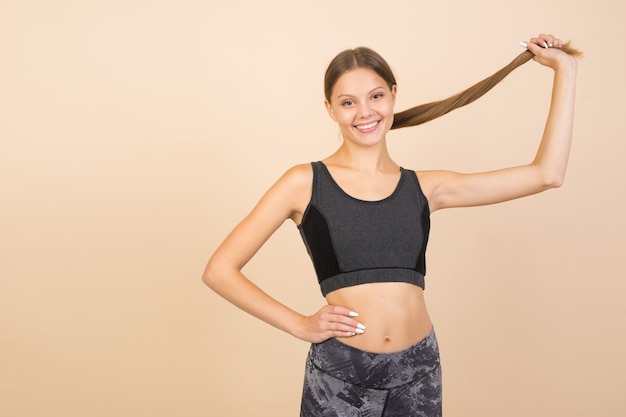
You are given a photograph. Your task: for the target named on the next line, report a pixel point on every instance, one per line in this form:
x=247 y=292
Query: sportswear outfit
x=352 y=242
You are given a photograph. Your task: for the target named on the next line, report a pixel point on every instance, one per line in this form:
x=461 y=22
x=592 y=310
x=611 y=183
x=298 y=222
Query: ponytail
x=430 y=111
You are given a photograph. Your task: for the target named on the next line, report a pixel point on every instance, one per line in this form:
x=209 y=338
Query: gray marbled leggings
x=342 y=381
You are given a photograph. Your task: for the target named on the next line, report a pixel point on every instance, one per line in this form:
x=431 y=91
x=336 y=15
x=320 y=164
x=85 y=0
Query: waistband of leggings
x=376 y=370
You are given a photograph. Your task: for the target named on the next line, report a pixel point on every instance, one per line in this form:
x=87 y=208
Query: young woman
x=365 y=223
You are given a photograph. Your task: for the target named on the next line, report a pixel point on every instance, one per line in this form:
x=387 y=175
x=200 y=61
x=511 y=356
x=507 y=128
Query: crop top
x=352 y=241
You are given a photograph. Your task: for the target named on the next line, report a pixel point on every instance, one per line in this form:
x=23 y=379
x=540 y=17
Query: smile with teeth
x=367 y=126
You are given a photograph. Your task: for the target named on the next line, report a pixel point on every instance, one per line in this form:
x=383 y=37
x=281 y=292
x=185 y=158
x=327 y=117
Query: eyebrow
x=369 y=92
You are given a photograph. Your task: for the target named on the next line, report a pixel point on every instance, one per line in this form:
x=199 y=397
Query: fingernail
x=360 y=326
x=523 y=44
x=359 y=331
x=350 y=333
x=353 y=314
x=550 y=45
x=545 y=44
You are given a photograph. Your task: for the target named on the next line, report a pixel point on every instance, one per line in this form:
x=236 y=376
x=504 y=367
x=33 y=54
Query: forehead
x=358 y=81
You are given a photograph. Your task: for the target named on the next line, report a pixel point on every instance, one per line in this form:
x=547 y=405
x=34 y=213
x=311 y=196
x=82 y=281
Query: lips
x=368 y=126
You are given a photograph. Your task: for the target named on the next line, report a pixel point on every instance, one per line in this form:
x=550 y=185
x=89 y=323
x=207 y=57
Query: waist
x=394 y=314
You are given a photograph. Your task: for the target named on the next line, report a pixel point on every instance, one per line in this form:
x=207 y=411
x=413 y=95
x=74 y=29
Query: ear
x=394 y=90
x=329 y=109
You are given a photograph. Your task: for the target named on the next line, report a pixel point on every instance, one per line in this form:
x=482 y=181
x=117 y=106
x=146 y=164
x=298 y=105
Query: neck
x=370 y=159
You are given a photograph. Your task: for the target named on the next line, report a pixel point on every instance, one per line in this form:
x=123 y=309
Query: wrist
x=295 y=326
x=566 y=64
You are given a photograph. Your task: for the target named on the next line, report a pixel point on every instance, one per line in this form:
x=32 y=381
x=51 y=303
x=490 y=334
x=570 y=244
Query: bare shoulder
x=300 y=175
x=295 y=187
x=430 y=182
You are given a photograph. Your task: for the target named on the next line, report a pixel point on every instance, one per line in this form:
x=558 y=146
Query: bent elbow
x=546 y=179
x=549 y=183
x=218 y=273
x=548 y=175
x=555 y=181
x=558 y=182
x=210 y=276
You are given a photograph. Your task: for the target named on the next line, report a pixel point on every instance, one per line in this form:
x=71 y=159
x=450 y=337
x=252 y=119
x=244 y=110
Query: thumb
x=535 y=49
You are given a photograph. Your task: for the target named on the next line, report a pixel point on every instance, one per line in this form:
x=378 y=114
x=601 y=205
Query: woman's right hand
x=329 y=321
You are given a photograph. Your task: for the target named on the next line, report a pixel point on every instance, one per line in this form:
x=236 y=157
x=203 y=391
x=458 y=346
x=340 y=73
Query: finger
x=535 y=49
x=348 y=333
x=539 y=42
x=345 y=316
x=337 y=319
x=551 y=40
x=341 y=329
x=547 y=39
x=342 y=310
x=341 y=322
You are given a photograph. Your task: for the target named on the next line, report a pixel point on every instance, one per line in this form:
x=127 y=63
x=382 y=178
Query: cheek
x=344 y=117
x=387 y=107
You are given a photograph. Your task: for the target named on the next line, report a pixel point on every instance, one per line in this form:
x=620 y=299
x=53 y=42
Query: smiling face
x=361 y=103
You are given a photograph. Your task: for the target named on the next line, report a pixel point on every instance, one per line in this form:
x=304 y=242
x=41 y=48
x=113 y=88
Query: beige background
x=135 y=134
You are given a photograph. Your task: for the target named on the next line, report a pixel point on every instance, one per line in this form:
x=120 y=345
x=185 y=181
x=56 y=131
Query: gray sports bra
x=352 y=241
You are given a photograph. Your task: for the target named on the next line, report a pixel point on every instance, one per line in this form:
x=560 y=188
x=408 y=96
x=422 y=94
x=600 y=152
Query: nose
x=365 y=110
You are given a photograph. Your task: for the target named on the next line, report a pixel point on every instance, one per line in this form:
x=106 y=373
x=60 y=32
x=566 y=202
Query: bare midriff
x=394 y=314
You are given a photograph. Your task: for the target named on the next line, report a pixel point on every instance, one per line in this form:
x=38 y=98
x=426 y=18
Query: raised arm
x=547 y=170
x=286 y=199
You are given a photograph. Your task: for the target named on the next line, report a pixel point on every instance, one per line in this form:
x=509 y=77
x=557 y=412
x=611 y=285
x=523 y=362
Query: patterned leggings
x=343 y=381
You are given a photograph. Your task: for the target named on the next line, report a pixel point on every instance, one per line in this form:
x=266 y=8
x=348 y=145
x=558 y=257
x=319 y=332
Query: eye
x=376 y=96
x=347 y=103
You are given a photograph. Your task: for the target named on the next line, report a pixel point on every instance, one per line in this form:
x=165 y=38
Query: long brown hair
x=363 y=57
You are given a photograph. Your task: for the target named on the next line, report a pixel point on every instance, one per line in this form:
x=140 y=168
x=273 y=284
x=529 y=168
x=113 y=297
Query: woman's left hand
x=546 y=49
